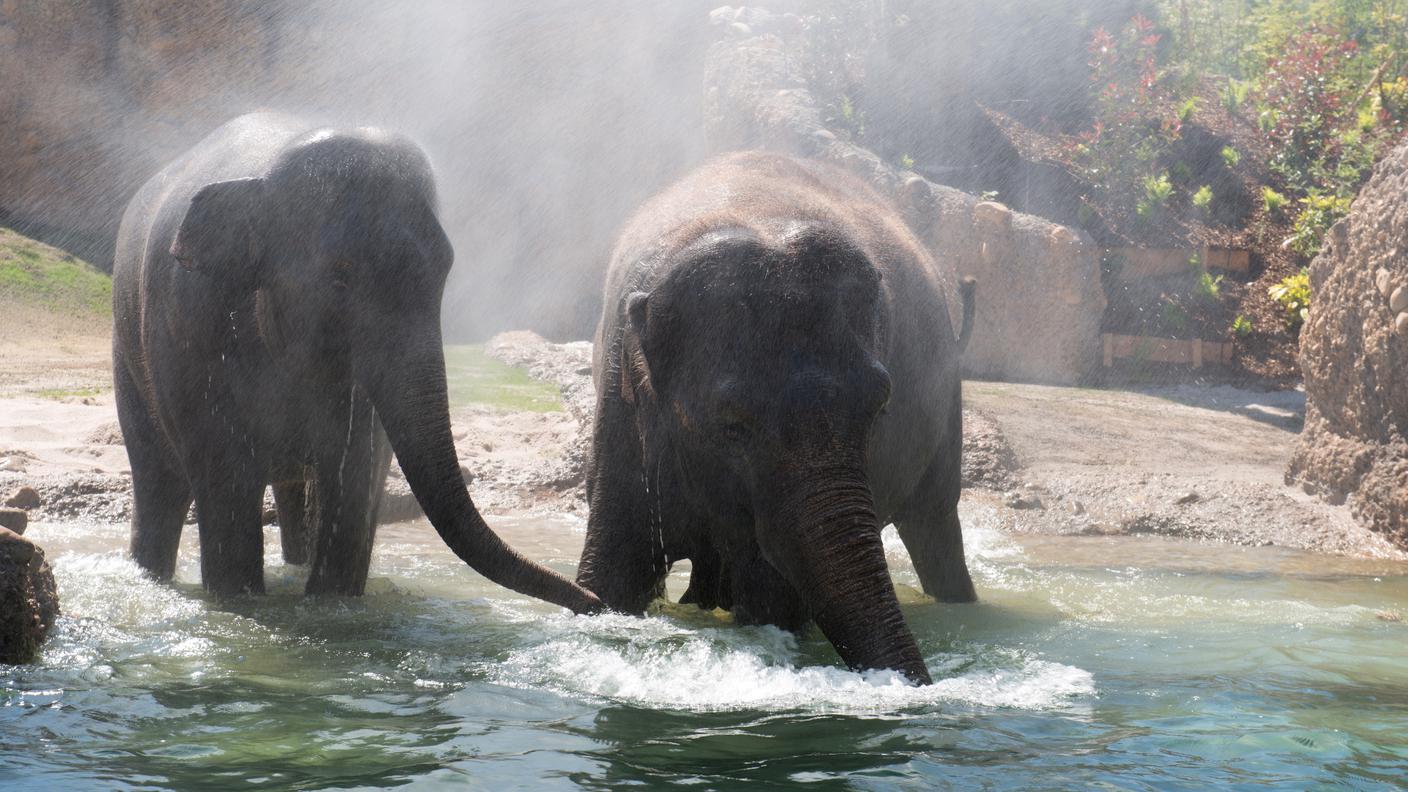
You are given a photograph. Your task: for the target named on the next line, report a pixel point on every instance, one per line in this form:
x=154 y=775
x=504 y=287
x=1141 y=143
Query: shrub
x=1273 y=200
x=1157 y=190
x=1241 y=326
x=1202 y=199
x=1293 y=294
x=1208 y=288
x=1137 y=117
x=1230 y=156
x=1319 y=213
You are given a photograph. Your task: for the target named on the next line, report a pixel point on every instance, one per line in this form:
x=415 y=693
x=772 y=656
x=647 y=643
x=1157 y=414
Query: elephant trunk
x=844 y=577
x=411 y=399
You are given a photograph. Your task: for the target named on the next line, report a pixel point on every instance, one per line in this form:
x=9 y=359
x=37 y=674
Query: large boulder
x=1039 y=298
x=1354 y=352
x=29 y=600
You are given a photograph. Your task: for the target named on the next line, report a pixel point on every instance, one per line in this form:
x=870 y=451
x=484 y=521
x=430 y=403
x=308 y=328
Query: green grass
x=476 y=378
x=34 y=274
x=59 y=394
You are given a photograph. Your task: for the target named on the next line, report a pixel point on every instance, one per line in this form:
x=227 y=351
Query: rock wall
x=1354 y=353
x=1039 y=295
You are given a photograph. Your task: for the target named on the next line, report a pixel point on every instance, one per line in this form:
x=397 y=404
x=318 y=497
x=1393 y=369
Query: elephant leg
x=229 y=498
x=349 y=481
x=292 y=502
x=706 y=578
x=762 y=596
x=161 y=496
x=623 y=558
x=929 y=525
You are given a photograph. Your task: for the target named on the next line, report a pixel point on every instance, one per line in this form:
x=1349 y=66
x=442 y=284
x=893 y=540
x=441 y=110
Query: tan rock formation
x=1354 y=352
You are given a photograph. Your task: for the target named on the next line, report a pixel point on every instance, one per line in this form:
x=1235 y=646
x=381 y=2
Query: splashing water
x=1089 y=660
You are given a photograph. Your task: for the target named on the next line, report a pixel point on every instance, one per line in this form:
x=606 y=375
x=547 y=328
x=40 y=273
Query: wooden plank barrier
x=1154 y=262
x=1165 y=350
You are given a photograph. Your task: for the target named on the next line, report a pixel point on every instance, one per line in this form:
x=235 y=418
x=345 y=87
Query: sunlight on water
x=1088 y=660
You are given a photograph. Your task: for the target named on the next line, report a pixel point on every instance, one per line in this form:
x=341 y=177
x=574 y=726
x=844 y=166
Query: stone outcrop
x=29 y=600
x=1039 y=295
x=1354 y=353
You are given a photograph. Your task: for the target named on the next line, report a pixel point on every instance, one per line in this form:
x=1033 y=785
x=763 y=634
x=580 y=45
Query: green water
x=1090 y=663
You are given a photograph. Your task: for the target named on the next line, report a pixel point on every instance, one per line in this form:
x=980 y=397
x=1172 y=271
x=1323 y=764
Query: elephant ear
x=635 y=369
x=217 y=235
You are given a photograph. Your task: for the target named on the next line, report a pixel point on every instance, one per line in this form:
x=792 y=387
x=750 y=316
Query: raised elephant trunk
x=844 y=577
x=411 y=399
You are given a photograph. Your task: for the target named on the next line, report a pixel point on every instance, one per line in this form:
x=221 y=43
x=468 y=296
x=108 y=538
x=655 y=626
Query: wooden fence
x=1165 y=350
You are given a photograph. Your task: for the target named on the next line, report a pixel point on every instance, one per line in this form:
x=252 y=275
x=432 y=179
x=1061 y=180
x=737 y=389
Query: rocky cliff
x=1354 y=353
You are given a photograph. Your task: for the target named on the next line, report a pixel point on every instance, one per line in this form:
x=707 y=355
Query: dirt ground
x=1202 y=463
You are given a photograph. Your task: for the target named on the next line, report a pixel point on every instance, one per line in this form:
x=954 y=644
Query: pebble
x=1401 y=324
x=1399 y=300
x=1383 y=282
x=1187 y=498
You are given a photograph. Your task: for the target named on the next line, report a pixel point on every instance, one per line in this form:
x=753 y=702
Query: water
x=1125 y=663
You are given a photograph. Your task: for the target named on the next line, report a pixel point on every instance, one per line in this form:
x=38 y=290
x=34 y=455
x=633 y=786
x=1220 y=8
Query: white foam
x=654 y=662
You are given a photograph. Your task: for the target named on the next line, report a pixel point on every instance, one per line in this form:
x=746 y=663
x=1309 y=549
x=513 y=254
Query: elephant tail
x=966 y=289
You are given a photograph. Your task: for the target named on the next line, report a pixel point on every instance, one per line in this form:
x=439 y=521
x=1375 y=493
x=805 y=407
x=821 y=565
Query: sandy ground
x=1197 y=463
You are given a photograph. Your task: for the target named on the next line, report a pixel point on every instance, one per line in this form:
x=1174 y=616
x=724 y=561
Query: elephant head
x=758 y=364
x=338 y=249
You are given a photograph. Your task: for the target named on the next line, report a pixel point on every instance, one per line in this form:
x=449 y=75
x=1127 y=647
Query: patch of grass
x=59 y=394
x=476 y=378
x=36 y=275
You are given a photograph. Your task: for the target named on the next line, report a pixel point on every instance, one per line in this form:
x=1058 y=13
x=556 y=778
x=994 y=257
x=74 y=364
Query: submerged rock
x=1354 y=352
x=29 y=600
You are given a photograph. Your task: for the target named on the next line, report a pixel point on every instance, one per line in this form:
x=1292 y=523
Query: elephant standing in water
x=276 y=301
x=777 y=378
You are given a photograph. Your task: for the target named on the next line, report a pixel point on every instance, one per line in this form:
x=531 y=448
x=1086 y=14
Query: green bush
x=1273 y=200
x=1202 y=199
x=1208 y=288
x=1319 y=213
x=1241 y=326
x=1157 y=190
x=1293 y=295
x=1230 y=156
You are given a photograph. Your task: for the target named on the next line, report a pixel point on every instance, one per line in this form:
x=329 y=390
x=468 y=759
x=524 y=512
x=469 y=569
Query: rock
x=14 y=519
x=271 y=516
x=1187 y=498
x=1383 y=282
x=1021 y=500
x=23 y=498
x=1077 y=508
x=1354 y=354
x=1388 y=615
x=29 y=601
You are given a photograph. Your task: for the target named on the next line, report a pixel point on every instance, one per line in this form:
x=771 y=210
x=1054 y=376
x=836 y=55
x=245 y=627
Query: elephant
x=276 y=311
x=777 y=377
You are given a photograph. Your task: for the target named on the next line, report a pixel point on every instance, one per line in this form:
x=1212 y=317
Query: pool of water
x=1123 y=663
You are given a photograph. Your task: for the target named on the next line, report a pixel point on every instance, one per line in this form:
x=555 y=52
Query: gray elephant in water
x=276 y=302
x=777 y=378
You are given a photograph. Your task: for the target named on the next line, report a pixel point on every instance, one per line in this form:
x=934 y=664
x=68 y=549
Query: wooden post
x=1109 y=349
x=1197 y=353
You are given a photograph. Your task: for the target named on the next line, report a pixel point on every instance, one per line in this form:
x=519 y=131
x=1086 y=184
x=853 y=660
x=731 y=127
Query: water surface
x=1134 y=663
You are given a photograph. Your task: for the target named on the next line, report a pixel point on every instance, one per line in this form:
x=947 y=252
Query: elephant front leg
x=348 y=481
x=930 y=528
x=623 y=559
x=229 y=495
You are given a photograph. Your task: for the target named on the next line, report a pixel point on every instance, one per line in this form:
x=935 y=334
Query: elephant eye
x=734 y=423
